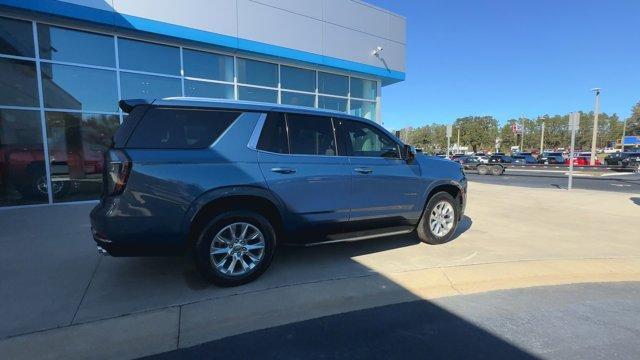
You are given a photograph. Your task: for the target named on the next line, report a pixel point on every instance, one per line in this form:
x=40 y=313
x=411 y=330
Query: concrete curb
x=151 y=332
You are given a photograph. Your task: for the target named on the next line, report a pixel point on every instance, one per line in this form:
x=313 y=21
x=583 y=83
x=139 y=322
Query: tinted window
x=257 y=94
x=139 y=86
x=333 y=84
x=82 y=47
x=297 y=79
x=79 y=88
x=208 y=89
x=165 y=128
x=360 y=139
x=273 y=137
x=18 y=83
x=299 y=99
x=363 y=89
x=310 y=135
x=16 y=37
x=255 y=72
x=331 y=103
x=21 y=156
x=145 y=56
x=76 y=146
x=207 y=66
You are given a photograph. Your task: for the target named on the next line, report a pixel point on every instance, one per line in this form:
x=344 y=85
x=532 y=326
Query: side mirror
x=409 y=153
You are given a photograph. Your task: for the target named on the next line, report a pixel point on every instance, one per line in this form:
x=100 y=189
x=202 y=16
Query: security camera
x=378 y=51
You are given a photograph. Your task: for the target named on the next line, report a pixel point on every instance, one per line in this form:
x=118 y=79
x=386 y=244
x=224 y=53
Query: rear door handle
x=283 y=170
x=364 y=170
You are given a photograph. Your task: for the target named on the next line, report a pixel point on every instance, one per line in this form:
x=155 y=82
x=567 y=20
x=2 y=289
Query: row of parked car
x=624 y=159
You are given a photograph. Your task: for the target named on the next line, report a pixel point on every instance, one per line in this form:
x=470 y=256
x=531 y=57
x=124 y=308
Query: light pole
x=542 y=138
x=458 y=139
x=624 y=132
x=594 y=137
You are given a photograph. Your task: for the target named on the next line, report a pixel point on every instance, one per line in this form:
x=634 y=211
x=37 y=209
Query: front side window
x=273 y=137
x=311 y=135
x=168 y=128
x=360 y=139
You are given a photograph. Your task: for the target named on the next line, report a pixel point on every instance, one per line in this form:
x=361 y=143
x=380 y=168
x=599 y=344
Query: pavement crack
x=93 y=275
x=179 y=327
x=450 y=282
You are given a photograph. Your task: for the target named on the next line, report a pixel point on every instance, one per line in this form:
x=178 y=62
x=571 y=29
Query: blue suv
x=231 y=181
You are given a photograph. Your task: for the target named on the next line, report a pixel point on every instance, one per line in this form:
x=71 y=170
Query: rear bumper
x=134 y=235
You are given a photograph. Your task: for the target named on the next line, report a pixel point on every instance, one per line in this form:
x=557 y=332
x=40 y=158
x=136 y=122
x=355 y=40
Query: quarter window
x=311 y=135
x=166 y=128
x=359 y=139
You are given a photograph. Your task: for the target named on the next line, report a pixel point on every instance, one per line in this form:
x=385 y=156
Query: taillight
x=117 y=170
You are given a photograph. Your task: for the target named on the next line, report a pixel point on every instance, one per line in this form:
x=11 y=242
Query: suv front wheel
x=439 y=220
x=235 y=248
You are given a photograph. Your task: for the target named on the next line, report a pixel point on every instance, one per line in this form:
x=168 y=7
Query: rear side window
x=273 y=137
x=168 y=128
x=311 y=135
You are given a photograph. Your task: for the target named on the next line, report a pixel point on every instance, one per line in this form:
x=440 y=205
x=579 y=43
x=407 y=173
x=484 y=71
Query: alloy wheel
x=237 y=249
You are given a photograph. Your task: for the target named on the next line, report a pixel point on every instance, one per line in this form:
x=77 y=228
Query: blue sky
x=508 y=58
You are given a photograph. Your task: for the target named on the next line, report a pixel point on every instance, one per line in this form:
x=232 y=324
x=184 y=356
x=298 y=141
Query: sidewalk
x=58 y=295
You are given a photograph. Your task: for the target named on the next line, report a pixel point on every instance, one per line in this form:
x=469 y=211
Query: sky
x=512 y=58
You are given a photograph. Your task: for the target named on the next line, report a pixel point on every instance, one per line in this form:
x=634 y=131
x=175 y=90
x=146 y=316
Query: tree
x=633 y=122
x=479 y=132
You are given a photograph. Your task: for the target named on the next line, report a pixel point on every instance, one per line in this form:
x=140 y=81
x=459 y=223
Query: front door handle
x=364 y=170
x=283 y=170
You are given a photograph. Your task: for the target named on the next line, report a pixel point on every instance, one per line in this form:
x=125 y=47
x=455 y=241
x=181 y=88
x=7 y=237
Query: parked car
x=502 y=159
x=582 y=160
x=524 y=158
x=231 y=181
x=551 y=158
x=632 y=161
x=469 y=162
x=619 y=157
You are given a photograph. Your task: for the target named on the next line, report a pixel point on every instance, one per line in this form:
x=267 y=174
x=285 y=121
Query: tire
x=497 y=170
x=236 y=254
x=482 y=169
x=425 y=231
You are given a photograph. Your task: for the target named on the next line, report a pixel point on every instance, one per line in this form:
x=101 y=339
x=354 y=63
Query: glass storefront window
x=293 y=98
x=22 y=173
x=16 y=37
x=79 y=88
x=257 y=94
x=208 y=89
x=333 y=84
x=140 y=86
x=76 y=146
x=365 y=109
x=255 y=72
x=18 y=83
x=149 y=57
x=331 y=103
x=293 y=78
x=61 y=44
x=363 y=89
x=204 y=65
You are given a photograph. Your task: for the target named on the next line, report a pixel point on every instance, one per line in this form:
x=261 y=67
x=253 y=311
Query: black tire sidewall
x=205 y=237
x=424 y=230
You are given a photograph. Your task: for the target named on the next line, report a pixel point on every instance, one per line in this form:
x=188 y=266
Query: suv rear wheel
x=235 y=248
x=439 y=220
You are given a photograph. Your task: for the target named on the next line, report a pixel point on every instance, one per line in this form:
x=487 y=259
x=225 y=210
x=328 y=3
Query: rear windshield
x=168 y=128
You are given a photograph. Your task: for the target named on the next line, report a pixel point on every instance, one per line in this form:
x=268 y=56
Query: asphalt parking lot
x=58 y=295
x=623 y=182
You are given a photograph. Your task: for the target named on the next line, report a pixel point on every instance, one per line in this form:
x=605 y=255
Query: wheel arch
x=217 y=201
x=453 y=188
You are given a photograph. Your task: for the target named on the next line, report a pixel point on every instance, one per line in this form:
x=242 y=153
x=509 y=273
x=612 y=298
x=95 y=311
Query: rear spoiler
x=128 y=105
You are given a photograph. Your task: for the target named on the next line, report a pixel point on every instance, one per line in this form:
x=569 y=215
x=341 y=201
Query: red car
x=582 y=161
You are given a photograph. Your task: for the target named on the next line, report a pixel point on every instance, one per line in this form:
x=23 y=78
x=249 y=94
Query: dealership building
x=64 y=64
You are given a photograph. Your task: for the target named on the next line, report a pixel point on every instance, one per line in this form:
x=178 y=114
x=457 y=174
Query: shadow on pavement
x=413 y=330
